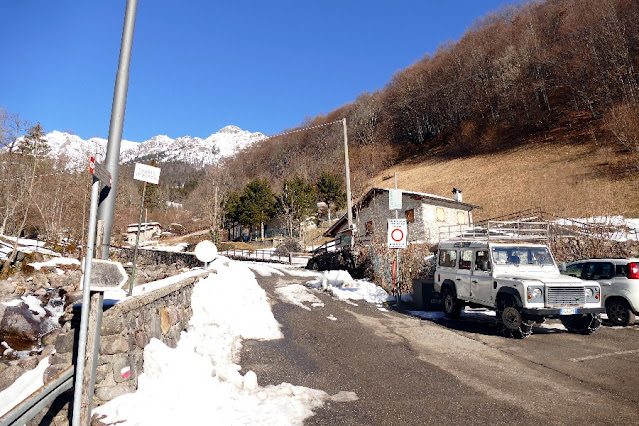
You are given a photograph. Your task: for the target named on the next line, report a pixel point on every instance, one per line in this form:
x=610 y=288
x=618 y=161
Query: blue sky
x=200 y=65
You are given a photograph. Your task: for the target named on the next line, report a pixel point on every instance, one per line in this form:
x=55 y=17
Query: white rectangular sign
x=394 y=199
x=146 y=173
x=397 y=230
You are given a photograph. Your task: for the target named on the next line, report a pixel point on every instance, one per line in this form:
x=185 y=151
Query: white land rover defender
x=519 y=280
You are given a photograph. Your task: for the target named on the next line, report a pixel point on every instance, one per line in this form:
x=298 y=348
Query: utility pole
x=349 y=202
x=107 y=196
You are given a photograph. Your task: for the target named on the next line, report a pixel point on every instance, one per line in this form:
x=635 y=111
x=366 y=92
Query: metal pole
x=349 y=203
x=84 y=316
x=107 y=204
x=399 y=281
x=137 y=241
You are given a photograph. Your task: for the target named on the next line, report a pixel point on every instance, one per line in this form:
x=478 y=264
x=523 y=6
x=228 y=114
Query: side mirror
x=562 y=266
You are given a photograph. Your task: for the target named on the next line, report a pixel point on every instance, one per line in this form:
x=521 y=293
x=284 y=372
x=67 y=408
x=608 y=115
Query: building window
x=441 y=214
x=461 y=218
x=369 y=227
x=410 y=216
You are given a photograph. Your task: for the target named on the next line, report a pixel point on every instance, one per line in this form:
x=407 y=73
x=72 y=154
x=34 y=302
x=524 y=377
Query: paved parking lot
x=411 y=370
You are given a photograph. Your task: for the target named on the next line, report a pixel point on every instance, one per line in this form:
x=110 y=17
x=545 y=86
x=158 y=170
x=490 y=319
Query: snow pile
x=55 y=262
x=24 y=386
x=344 y=287
x=199 y=379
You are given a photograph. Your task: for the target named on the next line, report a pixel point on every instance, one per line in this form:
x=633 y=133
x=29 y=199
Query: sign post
x=397 y=231
x=147 y=174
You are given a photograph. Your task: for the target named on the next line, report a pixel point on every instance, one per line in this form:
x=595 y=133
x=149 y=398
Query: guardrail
x=39 y=400
x=260 y=254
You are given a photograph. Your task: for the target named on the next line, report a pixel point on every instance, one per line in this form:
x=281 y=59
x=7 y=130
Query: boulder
x=20 y=328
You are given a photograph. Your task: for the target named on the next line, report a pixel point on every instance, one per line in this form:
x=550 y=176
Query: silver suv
x=519 y=280
x=619 y=280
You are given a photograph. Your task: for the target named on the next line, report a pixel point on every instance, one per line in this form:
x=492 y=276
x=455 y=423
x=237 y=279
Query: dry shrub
x=623 y=122
x=379 y=258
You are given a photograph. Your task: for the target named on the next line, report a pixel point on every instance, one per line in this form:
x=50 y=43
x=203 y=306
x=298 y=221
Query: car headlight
x=593 y=294
x=535 y=294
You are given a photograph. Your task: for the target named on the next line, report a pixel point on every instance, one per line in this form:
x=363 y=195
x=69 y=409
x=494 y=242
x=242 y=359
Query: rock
x=6 y=288
x=107 y=393
x=46 y=352
x=28 y=363
x=50 y=338
x=20 y=328
x=110 y=345
x=9 y=375
x=53 y=370
x=64 y=342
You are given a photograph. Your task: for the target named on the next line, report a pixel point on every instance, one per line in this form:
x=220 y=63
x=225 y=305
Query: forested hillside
x=559 y=71
x=535 y=106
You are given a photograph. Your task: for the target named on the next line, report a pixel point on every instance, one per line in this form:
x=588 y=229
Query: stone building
x=425 y=214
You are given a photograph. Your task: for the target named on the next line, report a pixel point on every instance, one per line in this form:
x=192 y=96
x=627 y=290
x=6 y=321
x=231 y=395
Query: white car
x=519 y=280
x=619 y=280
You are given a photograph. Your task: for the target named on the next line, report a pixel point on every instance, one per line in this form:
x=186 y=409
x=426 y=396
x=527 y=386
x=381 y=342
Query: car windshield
x=516 y=255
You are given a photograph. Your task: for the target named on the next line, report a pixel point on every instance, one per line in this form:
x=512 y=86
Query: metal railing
x=259 y=254
x=517 y=230
x=39 y=400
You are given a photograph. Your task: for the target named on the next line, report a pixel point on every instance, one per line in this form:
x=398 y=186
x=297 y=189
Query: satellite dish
x=205 y=251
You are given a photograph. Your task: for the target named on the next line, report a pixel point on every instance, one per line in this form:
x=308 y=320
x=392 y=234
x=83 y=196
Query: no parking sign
x=396 y=233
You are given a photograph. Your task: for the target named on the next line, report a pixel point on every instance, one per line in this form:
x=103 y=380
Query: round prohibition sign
x=401 y=235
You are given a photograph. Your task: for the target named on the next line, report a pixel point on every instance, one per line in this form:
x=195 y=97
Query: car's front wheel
x=582 y=324
x=515 y=325
x=619 y=313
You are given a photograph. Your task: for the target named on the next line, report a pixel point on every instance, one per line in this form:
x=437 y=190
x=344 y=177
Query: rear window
x=621 y=271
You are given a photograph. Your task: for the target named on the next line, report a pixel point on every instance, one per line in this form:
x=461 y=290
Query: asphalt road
x=408 y=371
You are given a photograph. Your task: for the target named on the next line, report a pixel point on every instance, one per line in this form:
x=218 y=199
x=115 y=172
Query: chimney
x=457 y=195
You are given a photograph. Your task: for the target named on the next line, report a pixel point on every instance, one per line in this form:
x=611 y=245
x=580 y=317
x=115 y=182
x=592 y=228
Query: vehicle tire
x=452 y=306
x=514 y=325
x=582 y=324
x=619 y=313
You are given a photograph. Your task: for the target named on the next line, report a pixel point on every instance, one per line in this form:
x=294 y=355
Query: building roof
x=420 y=196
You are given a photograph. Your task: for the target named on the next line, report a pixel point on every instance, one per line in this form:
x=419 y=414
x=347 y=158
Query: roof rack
x=494 y=230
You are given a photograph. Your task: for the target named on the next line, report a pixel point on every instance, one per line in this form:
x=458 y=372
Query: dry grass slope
x=570 y=180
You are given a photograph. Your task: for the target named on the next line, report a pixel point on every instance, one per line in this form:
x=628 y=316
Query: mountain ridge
x=72 y=152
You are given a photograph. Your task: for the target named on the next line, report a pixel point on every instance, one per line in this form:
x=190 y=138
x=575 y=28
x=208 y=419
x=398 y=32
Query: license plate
x=567 y=311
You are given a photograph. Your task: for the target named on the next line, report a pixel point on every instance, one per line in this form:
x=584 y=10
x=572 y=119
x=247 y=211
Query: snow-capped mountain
x=73 y=152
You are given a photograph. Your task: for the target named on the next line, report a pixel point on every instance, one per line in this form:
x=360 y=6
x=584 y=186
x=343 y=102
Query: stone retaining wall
x=127 y=328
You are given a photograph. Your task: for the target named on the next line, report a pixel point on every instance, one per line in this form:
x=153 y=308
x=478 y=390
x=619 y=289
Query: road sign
x=205 y=251
x=146 y=173
x=394 y=199
x=100 y=172
x=397 y=231
x=107 y=275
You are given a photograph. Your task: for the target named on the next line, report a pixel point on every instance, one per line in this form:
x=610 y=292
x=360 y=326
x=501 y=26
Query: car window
x=574 y=270
x=465 y=259
x=621 y=270
x=598 y=271
x=481 y=256
x=448 y=258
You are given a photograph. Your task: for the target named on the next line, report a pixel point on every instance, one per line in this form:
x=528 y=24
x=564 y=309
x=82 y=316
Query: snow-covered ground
x=204 y=363
x=204 y=366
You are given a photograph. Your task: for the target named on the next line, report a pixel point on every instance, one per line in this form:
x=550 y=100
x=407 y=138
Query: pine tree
x=331 y=191
x=296 y=202
x=257 y=204
x=34 y=143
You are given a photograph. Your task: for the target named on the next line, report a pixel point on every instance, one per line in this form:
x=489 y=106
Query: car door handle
x=474 y=281
x=458 y=279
